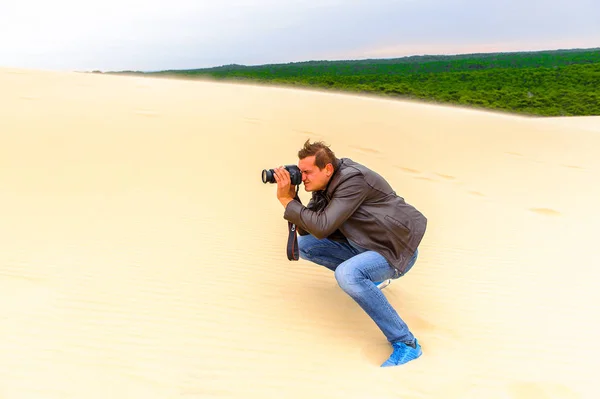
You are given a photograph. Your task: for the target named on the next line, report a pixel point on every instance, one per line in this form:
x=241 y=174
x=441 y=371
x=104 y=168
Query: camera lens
x=267 y=176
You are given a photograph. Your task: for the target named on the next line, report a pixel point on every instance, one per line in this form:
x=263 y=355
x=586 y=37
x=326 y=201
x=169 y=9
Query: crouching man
x=358 y=227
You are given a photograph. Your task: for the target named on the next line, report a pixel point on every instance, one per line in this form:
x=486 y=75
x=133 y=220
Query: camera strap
x=292 y=243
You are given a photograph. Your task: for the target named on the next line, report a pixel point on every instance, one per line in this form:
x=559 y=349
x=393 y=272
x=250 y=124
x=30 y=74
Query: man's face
x=314 y=179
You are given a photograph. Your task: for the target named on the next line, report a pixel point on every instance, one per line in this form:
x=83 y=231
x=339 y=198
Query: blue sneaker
x=403 y=353
x=382 y=284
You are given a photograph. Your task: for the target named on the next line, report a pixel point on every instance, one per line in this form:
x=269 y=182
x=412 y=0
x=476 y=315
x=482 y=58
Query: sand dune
x=142 y=257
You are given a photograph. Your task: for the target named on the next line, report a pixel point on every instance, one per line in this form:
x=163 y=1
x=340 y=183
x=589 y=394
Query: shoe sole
x=384 y=284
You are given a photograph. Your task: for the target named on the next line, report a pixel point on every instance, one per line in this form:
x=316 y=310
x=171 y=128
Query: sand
x=142 y=256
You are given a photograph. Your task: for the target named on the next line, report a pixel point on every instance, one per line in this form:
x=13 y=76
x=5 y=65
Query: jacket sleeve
x=345 y=201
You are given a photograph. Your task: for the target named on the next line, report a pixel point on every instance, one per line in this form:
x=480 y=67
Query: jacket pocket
x=397 y=223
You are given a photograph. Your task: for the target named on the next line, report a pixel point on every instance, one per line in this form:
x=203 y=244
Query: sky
x=148 y=35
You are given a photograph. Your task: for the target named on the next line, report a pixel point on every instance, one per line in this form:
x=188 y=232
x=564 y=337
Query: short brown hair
x=321 y=151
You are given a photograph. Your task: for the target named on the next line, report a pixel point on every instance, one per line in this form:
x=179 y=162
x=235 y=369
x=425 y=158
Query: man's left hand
x=286 y=192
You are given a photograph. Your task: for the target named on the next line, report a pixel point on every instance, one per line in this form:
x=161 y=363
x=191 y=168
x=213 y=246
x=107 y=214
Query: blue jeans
x=355 y=270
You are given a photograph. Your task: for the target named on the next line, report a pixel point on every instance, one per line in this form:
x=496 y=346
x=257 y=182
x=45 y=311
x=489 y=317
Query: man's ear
x=329 y=168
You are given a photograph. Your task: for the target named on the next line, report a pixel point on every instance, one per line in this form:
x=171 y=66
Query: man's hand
x=285 y=190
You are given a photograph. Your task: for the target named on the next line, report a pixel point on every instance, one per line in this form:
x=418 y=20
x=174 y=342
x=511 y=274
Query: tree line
x=545 y=83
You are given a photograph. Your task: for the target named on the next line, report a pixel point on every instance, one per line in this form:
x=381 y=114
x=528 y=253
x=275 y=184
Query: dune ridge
x=144 y=258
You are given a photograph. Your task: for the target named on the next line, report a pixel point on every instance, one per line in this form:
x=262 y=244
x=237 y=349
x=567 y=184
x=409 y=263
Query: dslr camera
x=268 y=176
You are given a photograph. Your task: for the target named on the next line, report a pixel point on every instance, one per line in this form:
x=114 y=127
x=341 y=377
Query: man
x=358 y=227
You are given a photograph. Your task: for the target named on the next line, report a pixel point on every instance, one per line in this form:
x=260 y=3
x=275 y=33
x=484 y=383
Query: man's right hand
x=285 y=190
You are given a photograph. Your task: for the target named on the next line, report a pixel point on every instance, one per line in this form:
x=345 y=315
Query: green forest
x=543 y=83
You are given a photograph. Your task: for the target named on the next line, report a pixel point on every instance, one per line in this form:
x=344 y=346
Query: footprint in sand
x=447 y=177
x=416 y=172
x=515 y=154
x=366 y=150
x=306 y=134
x=424 y=178
x=407 y=170
x=572 y=166
x=442 y=175
x=545 y=211
x=29 y=97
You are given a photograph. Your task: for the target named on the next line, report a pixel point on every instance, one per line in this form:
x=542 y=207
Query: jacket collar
x=335 y=174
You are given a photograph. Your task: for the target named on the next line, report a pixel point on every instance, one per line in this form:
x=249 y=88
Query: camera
x=268 y=176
